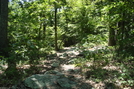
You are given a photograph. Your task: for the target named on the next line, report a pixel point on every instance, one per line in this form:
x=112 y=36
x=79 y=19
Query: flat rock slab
x=51 y=80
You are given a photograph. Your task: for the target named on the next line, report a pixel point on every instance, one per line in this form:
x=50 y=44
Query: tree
x=3 y=36
x=3 y=27
x=55 y=26
x=4 y=49
x=112 y=35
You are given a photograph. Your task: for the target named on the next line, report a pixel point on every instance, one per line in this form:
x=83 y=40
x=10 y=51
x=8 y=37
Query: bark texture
x=3 y=27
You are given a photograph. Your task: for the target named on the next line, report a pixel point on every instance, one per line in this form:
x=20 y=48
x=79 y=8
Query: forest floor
x=91 y=73
x=99 y=77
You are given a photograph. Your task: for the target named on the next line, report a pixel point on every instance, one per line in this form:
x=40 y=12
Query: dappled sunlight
x=90 y=72
x=67 y=44
x=112 y=67
x=67 y=67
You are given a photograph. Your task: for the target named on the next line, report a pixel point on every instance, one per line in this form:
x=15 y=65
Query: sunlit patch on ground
x=99 y=77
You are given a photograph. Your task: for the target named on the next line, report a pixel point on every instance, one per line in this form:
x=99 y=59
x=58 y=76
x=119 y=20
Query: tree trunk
x=3 y=27
x=112 y=36
x=11 y=71
x=112 y=40
x=55 y=27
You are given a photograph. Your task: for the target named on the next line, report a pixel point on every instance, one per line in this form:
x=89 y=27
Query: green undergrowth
x=97 y=64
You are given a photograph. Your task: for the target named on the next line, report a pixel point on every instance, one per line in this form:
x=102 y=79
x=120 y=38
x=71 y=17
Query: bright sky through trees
x=20 y=0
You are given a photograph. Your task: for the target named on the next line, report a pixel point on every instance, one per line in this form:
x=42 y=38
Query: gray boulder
x=40 y=81
x=55 y=64
x=49 y=80
x=52 y=80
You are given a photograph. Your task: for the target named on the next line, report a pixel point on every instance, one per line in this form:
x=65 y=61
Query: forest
x=88 y=43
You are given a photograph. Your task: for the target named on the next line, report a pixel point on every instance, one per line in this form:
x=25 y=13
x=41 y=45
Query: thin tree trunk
x=112 y=40
x=55 y=26
x=44 y=31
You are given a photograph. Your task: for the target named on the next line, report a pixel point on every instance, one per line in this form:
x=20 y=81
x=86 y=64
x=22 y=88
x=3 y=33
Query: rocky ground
x=58 y=72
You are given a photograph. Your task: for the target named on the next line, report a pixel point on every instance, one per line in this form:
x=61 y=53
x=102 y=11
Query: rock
x=55 y=64
x=64 y=83
x=36 y=81
x=50 y=80
x=70 y=71
x=42 y=81
x=51 y=72
x=65 y=55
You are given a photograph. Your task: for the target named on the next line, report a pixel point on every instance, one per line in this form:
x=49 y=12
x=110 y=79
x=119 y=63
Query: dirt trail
x=61 y=61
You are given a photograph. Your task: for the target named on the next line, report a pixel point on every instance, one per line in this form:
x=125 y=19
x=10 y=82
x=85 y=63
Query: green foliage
x=2 y=63
x=85 y=23
x=26 y=30
x=94 y=40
